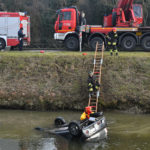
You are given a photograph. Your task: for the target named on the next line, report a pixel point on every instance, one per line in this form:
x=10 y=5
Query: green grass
x=59 y=80
x=67 y=53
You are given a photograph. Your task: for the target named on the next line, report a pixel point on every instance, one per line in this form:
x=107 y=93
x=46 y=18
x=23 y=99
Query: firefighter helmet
x=88 y=109
x=91 y=73
x=114 y=30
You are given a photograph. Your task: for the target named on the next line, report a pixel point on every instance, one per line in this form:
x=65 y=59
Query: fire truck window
x=60 y=16
x=67 y=15
x=137 y=11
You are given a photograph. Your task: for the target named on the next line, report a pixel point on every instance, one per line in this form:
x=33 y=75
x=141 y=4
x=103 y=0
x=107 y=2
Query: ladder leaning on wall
x=97 y=72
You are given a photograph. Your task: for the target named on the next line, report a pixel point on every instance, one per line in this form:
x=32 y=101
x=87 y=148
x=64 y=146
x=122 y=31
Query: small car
x=82 y=129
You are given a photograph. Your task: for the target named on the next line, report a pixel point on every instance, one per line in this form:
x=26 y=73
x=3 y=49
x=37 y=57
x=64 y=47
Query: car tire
x=72 y=43
x=93 y=42
x=128 y=43
x=74 y=129
x=59 y=121
x=2 y=44
x=146 y=43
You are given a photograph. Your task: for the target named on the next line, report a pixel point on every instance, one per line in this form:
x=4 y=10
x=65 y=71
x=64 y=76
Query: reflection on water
x=9 y=144
x=125 y=132
x=59 y=143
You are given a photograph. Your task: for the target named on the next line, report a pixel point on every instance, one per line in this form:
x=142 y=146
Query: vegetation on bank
x=58 y=80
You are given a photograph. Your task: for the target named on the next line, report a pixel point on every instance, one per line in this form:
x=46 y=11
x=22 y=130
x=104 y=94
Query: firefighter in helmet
x=93 y=84
x=112 y=42
x=86 y=114
x=90 y=83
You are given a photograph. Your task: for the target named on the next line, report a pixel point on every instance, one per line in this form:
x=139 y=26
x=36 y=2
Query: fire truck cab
x=10 y=23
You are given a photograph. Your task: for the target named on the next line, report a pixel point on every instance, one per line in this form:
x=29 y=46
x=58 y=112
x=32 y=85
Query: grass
x=67 y=53
x=55 y=80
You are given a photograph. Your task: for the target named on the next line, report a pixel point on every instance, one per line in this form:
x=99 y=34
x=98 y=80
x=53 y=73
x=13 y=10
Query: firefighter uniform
x=93 y=85
x=90 y=84
x=112 y=42
x=86 y=114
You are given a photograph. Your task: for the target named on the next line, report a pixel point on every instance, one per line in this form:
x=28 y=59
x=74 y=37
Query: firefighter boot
x=116 y=52
x=111 y=52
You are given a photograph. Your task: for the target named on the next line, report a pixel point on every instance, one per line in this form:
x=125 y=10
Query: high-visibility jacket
x=108 y=40
x=114 y=37
x=85 y=116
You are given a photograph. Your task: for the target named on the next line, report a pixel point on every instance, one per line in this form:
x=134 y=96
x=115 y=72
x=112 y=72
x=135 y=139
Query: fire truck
x=126 y=18
x=10 y=23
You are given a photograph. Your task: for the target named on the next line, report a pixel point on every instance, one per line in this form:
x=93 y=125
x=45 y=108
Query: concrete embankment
x=53 y=81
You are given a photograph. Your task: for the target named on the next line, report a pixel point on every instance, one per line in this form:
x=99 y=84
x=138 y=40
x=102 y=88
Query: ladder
x=97 y=72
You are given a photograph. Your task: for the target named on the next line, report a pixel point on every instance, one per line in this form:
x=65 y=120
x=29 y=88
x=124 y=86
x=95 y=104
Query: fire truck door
x=65 y=22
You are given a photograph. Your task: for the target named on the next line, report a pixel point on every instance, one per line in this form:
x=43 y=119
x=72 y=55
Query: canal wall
x=54 y=81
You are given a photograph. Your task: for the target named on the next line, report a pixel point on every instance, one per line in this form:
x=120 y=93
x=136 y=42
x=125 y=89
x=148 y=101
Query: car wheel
x=128 y=43
x=72 y=43
x=74 y=129
x=94 y=41
x=59 y=121
x=146 y=43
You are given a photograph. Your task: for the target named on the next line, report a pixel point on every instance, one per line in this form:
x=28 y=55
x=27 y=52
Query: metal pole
x=80 y=40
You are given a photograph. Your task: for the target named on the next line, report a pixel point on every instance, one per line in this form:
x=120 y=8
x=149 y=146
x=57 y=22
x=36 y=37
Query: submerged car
x=81 y=129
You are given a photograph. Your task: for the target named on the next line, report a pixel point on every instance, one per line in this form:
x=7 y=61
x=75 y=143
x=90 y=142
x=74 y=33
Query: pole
x=80 y=40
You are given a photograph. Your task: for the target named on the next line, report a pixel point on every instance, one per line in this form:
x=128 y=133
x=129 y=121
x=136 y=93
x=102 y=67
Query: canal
x=125 y=132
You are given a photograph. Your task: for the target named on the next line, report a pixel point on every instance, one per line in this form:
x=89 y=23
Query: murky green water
x=125 y=132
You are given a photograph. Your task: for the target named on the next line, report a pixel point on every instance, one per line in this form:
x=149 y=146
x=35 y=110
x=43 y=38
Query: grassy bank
x=58 y=80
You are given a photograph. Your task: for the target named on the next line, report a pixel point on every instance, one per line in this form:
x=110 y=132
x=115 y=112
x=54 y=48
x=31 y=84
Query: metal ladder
x=97 y=72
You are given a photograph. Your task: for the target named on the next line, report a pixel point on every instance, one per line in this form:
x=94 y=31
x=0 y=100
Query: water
x=125 y=132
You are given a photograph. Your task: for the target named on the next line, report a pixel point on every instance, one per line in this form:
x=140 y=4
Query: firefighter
x=20 y=38
x=86 y=114
x=114 y=41
x=93 y=85
x=82 y=19
x=112 y=38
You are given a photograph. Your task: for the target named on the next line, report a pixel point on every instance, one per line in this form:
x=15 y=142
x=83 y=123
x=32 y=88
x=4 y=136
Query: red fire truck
x=10 y=24
x=127 y=18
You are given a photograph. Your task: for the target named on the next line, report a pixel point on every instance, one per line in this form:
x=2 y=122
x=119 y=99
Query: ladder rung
x=93 y=99
x=93 y=102
x=93 y=107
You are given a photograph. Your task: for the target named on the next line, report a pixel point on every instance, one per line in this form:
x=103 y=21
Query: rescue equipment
x=97 y=71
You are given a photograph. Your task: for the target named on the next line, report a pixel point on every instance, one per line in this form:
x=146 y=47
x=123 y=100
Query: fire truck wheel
x=94 y=41
x=128 y=43
x=146 y=43
x=72 y=43
x=2 y=44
